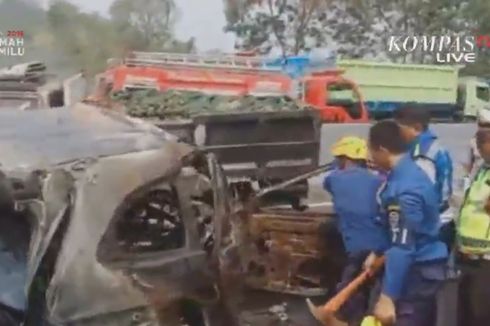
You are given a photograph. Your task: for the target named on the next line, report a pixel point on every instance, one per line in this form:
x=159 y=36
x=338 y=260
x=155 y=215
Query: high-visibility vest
x=474 y=222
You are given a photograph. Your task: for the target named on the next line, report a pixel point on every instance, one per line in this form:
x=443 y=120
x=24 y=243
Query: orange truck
x=336 y=98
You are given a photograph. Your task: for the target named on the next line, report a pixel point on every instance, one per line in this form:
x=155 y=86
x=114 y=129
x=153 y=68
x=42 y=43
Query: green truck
x=387 y=86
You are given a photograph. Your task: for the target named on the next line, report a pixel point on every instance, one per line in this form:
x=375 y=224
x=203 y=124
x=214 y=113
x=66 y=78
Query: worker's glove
x=369 y=263
x=384 y=311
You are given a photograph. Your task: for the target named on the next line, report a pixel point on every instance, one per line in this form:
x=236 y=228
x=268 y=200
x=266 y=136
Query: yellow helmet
x=354 y=148
x=370 y=321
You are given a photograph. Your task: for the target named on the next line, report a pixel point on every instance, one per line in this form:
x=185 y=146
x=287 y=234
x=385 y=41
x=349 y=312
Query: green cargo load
x=174 y=104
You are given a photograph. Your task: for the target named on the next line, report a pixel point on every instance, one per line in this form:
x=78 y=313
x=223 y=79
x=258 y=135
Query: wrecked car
x=123 y=222
x=127 y=226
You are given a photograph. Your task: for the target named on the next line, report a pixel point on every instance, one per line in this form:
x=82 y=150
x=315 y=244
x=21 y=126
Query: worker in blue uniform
x=353 y=188
x=433 y=158
x=415 y=264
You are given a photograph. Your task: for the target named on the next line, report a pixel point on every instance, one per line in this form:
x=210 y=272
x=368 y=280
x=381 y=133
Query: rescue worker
x=353 y=188
x=473 y=245
x=474 y=158
x=415 y=264
x=433 y=158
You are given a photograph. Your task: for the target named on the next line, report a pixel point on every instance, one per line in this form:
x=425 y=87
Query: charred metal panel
x=283 y=253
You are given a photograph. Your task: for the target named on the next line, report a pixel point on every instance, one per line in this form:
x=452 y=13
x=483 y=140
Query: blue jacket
x=410 y=205
x=428 y=147
x=354 y=193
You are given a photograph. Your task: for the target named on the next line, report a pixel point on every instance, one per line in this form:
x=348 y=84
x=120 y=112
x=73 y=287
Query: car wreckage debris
x=157 y=240
x=185 y=104
x=287 y=253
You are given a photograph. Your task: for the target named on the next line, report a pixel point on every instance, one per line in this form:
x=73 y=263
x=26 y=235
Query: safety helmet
x=354 y=148
x=370 y=321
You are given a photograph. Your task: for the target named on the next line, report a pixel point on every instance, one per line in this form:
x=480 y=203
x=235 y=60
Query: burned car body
x=101 y=176
x=130 y=227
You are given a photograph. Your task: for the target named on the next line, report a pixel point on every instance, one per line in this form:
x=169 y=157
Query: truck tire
x=458 y=117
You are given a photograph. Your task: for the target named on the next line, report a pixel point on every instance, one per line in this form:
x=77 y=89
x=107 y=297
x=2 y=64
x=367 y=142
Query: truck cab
x=338 y=99
x=473 y=96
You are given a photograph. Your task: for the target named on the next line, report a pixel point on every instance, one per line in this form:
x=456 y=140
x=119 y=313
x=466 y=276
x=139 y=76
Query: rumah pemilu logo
x=458 y=49
x=12 y=43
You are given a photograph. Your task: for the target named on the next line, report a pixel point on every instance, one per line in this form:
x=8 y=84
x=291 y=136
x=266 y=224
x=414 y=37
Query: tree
x=354 y=28
x=479 y=15
x=296 y=25
x=152 y=20
x=351 y=29
x=286 y=25
x=416 y=17
x=88 y=39
x=235 y=9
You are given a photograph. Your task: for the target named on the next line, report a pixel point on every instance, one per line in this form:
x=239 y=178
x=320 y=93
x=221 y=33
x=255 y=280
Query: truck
x=253 y=147
x=29 y=86
x=335 y=97
x=439 y=89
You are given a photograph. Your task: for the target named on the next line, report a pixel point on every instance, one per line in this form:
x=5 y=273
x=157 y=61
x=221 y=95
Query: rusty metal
x=282 y=252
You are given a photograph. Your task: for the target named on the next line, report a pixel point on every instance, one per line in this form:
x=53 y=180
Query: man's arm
x=400 y=257
x=327 y=182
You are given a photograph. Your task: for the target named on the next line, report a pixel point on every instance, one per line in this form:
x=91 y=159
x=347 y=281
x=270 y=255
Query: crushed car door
x=166 y=235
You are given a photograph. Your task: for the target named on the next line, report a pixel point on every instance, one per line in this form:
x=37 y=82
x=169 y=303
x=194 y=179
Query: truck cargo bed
x=256 y=144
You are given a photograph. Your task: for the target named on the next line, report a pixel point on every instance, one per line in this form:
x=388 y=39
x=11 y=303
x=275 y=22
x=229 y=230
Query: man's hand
x=385 y=311
x=369 y=263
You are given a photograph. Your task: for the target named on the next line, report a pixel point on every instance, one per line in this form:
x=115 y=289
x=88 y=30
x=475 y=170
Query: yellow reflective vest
x=474 y=222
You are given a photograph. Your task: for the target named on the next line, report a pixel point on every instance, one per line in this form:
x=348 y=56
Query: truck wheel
x=458 y=117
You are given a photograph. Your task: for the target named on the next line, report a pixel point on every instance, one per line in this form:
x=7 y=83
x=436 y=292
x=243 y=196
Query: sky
x=202 y=19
